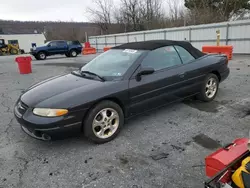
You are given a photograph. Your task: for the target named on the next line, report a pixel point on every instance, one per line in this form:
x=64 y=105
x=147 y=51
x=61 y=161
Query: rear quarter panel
x=196 y=72
x=207 y=64
x=77 y=47
x=212 y=63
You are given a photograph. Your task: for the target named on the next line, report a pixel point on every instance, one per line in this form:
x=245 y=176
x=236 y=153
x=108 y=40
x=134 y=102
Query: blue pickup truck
x=68 y=48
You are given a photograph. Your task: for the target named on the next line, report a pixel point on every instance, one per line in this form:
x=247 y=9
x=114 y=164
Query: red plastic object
x=227 y=50
x=87 y=51
x=106 y=48
x=24 y=64
x=87 y=45
x=223 y=157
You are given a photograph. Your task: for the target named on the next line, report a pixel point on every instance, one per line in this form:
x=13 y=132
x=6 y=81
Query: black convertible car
x=125 y=81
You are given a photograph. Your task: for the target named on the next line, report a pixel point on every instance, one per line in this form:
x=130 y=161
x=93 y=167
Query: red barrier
x=24 y=64
x=227 y=50
x=106 y=48
x=87 y=51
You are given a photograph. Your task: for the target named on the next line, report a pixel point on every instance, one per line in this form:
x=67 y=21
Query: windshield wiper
x=94 y=74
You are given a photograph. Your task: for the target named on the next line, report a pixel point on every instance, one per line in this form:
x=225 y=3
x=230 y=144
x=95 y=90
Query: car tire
x=36 y=57
x=67 y=54
x=73 y=53
x=13 y=51
x=41 y=56
x=103 y=122
x=209 y=88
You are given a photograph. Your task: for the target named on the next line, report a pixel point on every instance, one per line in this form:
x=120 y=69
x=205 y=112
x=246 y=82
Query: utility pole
x=86 y=36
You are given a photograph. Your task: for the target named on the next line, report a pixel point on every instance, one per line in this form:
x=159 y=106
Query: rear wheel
x=73 y=53
x=104 y=122
x=37 y=58
x=209 y=88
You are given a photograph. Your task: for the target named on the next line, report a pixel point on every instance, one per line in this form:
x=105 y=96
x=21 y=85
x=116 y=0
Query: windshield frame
x=127 y=73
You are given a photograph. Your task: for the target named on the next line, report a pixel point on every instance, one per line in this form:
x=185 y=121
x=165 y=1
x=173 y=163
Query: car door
x=62 y=47
x=192 y=76
x=52 y=47
x=159 y=88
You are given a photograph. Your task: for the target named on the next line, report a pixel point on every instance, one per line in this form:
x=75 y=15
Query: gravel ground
x=163 y=148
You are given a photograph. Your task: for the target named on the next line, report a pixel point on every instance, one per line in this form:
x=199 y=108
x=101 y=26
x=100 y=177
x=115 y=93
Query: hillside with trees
x=52 y=30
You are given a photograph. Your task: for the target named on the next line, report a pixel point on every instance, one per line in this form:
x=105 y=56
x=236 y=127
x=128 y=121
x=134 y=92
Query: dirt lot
x=164 y=148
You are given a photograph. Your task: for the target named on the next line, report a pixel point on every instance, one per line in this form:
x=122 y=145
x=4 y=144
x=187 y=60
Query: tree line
x=119 y=16
x=115 y=16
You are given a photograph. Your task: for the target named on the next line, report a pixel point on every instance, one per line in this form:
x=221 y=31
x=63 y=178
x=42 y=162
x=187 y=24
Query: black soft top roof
x=154 y=44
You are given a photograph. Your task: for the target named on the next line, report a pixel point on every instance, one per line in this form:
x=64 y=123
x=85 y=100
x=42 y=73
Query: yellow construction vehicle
x=6 y=49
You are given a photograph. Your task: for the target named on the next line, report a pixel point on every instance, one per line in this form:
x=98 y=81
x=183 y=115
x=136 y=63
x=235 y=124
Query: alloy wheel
x=105 y=123
x=211 y=88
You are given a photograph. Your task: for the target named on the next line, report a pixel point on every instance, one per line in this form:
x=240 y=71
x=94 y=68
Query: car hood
x=55 y=86
x=40 y=48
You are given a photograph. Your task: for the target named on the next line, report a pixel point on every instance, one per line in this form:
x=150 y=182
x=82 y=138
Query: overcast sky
x=52 y=10
x=47 y=10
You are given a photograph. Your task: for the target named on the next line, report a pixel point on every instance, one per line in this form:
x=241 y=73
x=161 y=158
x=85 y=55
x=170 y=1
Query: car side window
x=162 y=58
x=74 y=43
x=61 y=44
x=184 y=54
x=53 y=44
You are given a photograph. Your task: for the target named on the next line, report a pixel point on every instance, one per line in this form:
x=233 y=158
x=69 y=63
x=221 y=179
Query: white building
x=24 y=41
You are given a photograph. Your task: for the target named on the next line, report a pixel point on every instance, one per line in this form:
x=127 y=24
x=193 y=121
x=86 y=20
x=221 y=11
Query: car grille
x=21 y=107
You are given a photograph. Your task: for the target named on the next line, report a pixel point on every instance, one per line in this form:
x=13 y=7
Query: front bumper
x=33 y=52
x=44 y=128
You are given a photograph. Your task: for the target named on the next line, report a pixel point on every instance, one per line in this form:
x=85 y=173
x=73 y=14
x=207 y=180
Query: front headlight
x=47 y=112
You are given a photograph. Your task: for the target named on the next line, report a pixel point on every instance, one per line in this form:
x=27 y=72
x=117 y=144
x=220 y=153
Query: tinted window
x=185 y=55
x=53 y=44
x=162 y=58
x=61 y=43
x=73 y=43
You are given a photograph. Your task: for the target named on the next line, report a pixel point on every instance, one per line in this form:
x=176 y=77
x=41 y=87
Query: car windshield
x=113 y=63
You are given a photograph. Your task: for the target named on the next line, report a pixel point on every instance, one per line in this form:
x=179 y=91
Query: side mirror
x=49 y=45
x=144 y=71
